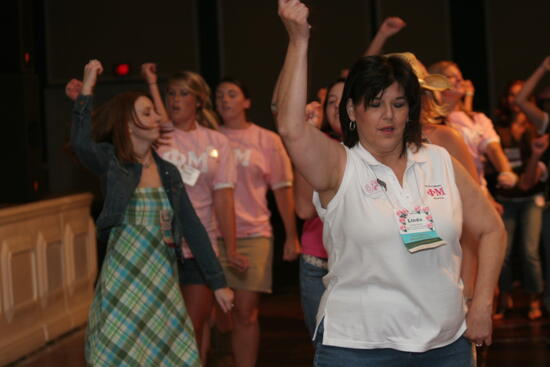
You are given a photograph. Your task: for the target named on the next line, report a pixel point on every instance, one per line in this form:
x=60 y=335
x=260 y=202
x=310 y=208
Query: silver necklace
x=147 y=161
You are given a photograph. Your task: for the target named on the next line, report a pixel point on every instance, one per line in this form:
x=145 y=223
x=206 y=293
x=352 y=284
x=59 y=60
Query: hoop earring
x=352 y=125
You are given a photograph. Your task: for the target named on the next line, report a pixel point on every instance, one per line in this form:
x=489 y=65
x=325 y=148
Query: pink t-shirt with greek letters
x=262 y=163
x=207 y=151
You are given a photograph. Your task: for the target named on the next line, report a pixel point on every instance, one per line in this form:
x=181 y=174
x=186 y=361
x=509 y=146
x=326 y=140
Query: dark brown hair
x=325 y=125
x=368 y=77
x=110 y=123
x=504 y=114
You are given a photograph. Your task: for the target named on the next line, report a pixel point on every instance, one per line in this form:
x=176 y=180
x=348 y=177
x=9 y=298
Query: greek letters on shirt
x=242 y=156
x=199 y=161
x=436 y=192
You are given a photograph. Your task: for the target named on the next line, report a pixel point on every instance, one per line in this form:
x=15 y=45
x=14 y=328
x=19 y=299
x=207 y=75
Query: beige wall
x=47 y=272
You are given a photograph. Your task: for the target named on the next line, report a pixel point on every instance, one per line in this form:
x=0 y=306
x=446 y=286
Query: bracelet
x=152 y=83
x=469 y=94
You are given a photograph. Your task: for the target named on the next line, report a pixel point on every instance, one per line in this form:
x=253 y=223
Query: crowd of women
x=391 y=168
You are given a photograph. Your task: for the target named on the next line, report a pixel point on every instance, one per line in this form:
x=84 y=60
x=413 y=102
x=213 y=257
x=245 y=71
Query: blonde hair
x=439 y=68
x=196 y=85
x=431 y=111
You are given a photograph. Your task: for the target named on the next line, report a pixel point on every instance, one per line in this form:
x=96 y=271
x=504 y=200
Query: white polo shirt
x=378 y=294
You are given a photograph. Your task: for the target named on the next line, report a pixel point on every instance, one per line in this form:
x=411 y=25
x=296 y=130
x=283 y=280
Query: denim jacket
x=119 y=181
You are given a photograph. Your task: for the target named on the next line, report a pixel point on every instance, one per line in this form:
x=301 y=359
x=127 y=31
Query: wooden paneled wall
x=47 y=272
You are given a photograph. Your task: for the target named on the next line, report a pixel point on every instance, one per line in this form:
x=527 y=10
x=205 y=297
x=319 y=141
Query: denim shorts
x=457 y=354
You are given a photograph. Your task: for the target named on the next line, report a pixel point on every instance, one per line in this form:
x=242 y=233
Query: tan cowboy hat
x=435 y=82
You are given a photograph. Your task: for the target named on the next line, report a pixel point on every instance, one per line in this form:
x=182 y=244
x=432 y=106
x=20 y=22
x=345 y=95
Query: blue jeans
x=456 y=354
x=526 y=217
x=311 y=290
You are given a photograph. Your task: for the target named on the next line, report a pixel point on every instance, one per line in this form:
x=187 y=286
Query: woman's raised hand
x=391 y=26
x=469 y=87
x=546 y=64
x=91 y=72
x=294 y=15
x=149 y=72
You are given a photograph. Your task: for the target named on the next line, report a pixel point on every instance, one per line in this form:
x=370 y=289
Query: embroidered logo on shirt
x=373 y=187
x=436 y=191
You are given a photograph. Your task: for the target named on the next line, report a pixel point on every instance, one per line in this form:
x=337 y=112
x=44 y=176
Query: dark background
x=47 y=42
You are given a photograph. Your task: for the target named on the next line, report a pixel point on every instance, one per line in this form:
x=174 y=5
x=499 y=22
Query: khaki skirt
x=259 y=252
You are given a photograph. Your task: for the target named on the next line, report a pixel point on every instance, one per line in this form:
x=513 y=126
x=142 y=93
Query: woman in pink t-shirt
x=207 y=166
x=262 y=163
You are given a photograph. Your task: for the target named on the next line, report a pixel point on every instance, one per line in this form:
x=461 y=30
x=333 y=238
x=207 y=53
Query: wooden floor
x=517 y=341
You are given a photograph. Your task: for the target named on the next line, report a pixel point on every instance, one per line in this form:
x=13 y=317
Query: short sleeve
x=487 y=130
x=280 y=168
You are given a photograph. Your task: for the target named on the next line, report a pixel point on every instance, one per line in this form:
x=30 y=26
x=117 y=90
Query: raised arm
x=468 y=104
x=149 y=73
x=388 y=28
x=535 y=114
x=492 y=238
x=319 y=159
x=94 y=156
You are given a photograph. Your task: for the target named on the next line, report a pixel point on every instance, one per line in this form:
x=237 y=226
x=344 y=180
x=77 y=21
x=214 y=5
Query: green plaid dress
x=138 y=317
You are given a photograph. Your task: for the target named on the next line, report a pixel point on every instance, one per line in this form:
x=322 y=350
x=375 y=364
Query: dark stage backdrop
x=518 y=40
x=122 y=31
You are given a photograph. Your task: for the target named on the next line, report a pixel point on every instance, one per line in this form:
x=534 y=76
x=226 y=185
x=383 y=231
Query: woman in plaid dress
x=138 y=317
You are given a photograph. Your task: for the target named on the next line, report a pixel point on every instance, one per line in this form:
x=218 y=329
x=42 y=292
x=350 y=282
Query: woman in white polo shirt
x=393 y=211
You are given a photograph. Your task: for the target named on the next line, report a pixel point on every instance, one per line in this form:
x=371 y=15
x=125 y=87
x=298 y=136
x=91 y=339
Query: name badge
x=189 y=175
x=166 y=227
x=417 y=229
